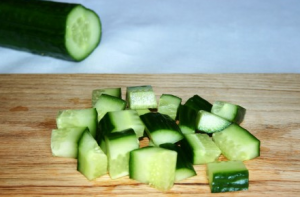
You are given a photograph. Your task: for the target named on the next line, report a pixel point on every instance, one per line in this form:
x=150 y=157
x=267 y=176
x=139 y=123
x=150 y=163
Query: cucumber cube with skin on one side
x=227 y=176
x=109 y=91
x=229 y=111
x=169 y=104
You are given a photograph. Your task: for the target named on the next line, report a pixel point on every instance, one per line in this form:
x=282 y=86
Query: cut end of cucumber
x=83 y=32
x=210 y=123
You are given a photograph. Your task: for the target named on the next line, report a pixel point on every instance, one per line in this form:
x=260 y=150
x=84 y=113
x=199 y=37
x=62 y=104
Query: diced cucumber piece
x=160 y=128
x=227 y=176
x=200 y=149
x=184 y=168
x=92 y=161
x=169 y=104
x=78 y=118
x=108 y=103
x=154 y=166
x=118 y=147
x=198 y=103
x=236 y=143
x=141 y=97
x=109 y=91
x=210 y=123
x=229 y=111
x=64 y=142
x=120 y=120
x=187 y=119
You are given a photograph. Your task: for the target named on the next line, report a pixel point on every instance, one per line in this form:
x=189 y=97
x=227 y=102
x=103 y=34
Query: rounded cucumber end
x=83 y=32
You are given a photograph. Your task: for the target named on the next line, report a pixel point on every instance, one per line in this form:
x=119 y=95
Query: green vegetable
x=153 y=165
x=229 y=111
x=210 y=123
x=91 y=162
x=141 y=97
x=227 y=176
x=62 y=30
x=236 y=143
x=169 y=105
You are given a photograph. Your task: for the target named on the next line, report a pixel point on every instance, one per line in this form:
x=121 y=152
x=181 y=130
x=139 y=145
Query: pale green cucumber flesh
x=92 y=161
x=118 y=146
x=200 y=148
x=64 y=142
x=107 y=103
x=109 y=91
x=229 y=111
x=169 y=105
x=153 y=165
x=78 y=118
x=210 y=123
x=236 y=143
x=141 y=97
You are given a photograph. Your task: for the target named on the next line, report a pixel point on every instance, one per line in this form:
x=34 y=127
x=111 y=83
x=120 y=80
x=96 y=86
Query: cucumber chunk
x=187 y=119
x=198 y=103
x=184 y=168
x=236 y=143
x=229 y=111
x=160 y=128
x=118 y=146
x=115 y=121
x=64 y=142
x=107 y=103
x=92 y=161
x=227 y=176
x=109 y=91
x=154 y=166
x=62 y=30
x=78 y=118
x=169 y=105
x=142 y=111
x=210 y=123
x=141 y=97
x=200 y=149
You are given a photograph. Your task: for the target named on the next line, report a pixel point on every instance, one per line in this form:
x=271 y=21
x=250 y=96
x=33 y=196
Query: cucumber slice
x=154 y=166
x=160 y=128
x=198 y=103
x=184 y=168
x=107 y=103
x=210 y=123
x=110 y=91
x=62 y=30
x=141 y=97
x=64 y=142
x=200 y=149
x=227 y=176
x=116 y=121
x=169 y=104
x=187 y=119
x=229 y=111
x=78 y=118
x=118 y=146
x=236 y=143
x=92 y=162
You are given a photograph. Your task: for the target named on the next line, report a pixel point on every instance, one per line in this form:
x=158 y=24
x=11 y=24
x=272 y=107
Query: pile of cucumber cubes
x=105 y=139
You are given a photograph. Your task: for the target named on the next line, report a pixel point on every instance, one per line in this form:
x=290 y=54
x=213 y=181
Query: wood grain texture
x=29 y=104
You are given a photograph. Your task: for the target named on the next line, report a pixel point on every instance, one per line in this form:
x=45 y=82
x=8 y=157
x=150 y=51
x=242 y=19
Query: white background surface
x=182 y=36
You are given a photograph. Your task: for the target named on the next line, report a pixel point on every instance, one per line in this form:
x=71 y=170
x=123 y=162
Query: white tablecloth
x=182 y=36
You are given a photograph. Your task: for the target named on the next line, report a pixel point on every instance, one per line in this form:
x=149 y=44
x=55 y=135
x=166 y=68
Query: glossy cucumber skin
x=35 y=26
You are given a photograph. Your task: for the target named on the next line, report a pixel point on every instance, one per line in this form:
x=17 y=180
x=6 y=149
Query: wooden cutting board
x=29 y=104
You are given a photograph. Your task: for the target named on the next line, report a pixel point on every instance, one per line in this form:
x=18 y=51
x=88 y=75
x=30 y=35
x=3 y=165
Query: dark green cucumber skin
x=198 y=103
x=182 y=161
x=157 y=121
x=240 y=115
x=187 y=116
x=187 y=149
x=35 y=26
x=120 y=134
x=105 y=126
x=227 y=182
